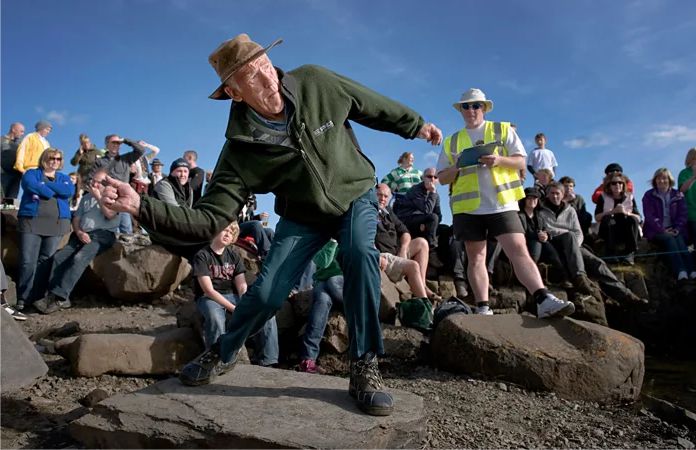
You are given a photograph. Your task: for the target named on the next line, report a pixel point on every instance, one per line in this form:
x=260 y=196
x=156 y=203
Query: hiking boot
x=205 y=367
x=16 y=315
x=310 y=366
x=554 y=307
x=64 y=304
x=583 y=285
x=461 y=289
x=20 y=305
x=483 y=310
x=366 y=386
x=47 y=305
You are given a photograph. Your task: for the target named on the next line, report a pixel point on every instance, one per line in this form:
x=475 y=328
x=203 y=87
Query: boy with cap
x=289 y=133
x=31 y=148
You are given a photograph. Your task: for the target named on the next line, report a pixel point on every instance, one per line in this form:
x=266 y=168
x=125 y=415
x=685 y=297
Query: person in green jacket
x=289 y=133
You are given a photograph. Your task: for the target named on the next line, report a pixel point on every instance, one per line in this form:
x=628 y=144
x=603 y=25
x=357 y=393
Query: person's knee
x=358 y=252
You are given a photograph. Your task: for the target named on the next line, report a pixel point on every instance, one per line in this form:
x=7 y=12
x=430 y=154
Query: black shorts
x=473 y=227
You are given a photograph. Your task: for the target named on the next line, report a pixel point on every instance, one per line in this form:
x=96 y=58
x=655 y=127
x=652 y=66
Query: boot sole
x=371 y=410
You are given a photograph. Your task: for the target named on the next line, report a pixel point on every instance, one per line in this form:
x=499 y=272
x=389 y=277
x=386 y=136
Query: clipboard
x=470 y=156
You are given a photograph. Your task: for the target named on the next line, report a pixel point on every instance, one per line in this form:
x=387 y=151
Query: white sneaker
x=692 y=275
x=682 y=275
x=554 y=307
x=16 y=315
x=484 y=310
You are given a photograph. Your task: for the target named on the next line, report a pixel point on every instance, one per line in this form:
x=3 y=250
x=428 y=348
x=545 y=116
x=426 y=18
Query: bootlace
x=368 y=370
x=209 y=357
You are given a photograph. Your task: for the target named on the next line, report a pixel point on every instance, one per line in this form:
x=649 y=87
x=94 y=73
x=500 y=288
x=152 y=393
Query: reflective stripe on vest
x=465 y=192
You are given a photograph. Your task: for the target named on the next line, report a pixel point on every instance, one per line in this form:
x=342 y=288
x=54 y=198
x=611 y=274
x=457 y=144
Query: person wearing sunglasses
x=611 y=169
x=44 y=218
x=618 y=219
x=419 y=209
x=484 y=197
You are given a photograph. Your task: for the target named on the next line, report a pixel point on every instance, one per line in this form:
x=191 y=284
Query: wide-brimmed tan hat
x=231 y=55
x=474 y=95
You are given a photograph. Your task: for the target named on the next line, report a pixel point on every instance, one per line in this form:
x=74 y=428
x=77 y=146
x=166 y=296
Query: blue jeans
x=325 y=293
x=292 y=249
x=71 y=261
x=675 y=244
x=217 y=321
x=125 y=224
x=35 y=254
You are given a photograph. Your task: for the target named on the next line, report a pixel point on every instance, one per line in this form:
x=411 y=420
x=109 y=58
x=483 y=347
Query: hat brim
x=219 y=93
x=488 y=103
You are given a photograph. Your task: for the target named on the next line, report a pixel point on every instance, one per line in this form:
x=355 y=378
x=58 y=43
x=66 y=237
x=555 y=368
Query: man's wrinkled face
x=555 y=195
x=259 y=87
x=181 y=174
x=18 y=131
x=383 y=196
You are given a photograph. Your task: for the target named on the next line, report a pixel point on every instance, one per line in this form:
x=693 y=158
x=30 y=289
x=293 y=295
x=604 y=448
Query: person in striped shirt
x=403 y=177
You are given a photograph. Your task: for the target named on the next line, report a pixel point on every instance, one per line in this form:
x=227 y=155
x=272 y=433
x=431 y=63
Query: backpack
x=416 y=313
x=450 y=306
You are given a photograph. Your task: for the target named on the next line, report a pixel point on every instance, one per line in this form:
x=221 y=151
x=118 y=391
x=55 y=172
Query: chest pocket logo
x=324 y=128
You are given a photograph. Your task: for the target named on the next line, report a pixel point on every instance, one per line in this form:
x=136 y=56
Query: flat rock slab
x=21 y=363
x=250 y=407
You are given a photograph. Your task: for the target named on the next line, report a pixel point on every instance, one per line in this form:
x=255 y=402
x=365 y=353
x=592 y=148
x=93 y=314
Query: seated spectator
x=119 y=167
x=541 y=157
x=9 y=176
x=399 y=254
x=43 y=220
x=536 y=232
x=578 y=204
x=542 y=178
x=254 y=231
x=618 y=218
x=419 y=208
x=687 y=186
x=77 y=196
x=16 y=315
x=155 y=175
x=665 y=223
x=328 y=290
x=611 y=169
x=594 y=266
x=175 y=189
x=219 y=283
x=566 y=237
x=85 y=157
x=404 y=176
x=94 y=232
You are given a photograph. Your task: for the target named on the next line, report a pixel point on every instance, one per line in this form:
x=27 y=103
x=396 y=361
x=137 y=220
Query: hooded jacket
x=314 y=182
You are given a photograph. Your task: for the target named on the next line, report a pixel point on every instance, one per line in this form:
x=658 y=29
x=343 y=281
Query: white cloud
x=595 y=140
x=665 y=135
x=515 y=86
x=60 y=117
x=431 y=158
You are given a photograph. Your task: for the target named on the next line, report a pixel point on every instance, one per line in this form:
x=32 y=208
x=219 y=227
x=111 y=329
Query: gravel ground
x=462 y=412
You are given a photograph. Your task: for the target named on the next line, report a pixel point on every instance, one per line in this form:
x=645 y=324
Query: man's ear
x=233 y=93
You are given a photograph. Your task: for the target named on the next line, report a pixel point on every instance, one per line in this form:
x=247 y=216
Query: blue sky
x=605 y=81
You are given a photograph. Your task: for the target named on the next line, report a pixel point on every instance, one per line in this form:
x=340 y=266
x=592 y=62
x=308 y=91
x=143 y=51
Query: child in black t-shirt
x=219 y=282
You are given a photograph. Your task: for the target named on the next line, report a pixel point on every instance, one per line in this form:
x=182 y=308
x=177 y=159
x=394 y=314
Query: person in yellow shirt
x=32 y=146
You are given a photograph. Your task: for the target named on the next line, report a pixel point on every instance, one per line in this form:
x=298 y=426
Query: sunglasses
x=115 y=142
x=614 y=183
x=55 y=158
x=432 y=177
x=474 y=106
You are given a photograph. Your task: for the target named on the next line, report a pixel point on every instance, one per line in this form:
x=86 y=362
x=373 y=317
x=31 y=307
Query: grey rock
x=94 y=397
x=21 y=363
x=249 y=407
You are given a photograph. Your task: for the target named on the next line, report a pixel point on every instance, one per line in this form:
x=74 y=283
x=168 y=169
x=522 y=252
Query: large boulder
x=250 y=407
x=136 y=273
x=21 y=363
x=577 y=360
x=91 y=355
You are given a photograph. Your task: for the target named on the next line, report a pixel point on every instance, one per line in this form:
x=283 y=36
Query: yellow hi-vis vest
x=465 y=194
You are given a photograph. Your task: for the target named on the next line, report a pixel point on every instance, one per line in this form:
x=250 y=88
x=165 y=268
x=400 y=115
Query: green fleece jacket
x=315 y=182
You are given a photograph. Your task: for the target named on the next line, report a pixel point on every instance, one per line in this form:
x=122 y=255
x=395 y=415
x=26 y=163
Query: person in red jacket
x=610 y=170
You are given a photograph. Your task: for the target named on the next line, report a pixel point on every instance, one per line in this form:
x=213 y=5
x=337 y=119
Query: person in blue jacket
x=44 y=218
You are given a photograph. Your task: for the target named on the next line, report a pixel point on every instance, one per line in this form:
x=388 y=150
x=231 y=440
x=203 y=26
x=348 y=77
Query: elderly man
x=485 y=188
x=289 y=133
x=32 y=146
x=419 y=208
x=400 y=256
x=10 y=177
